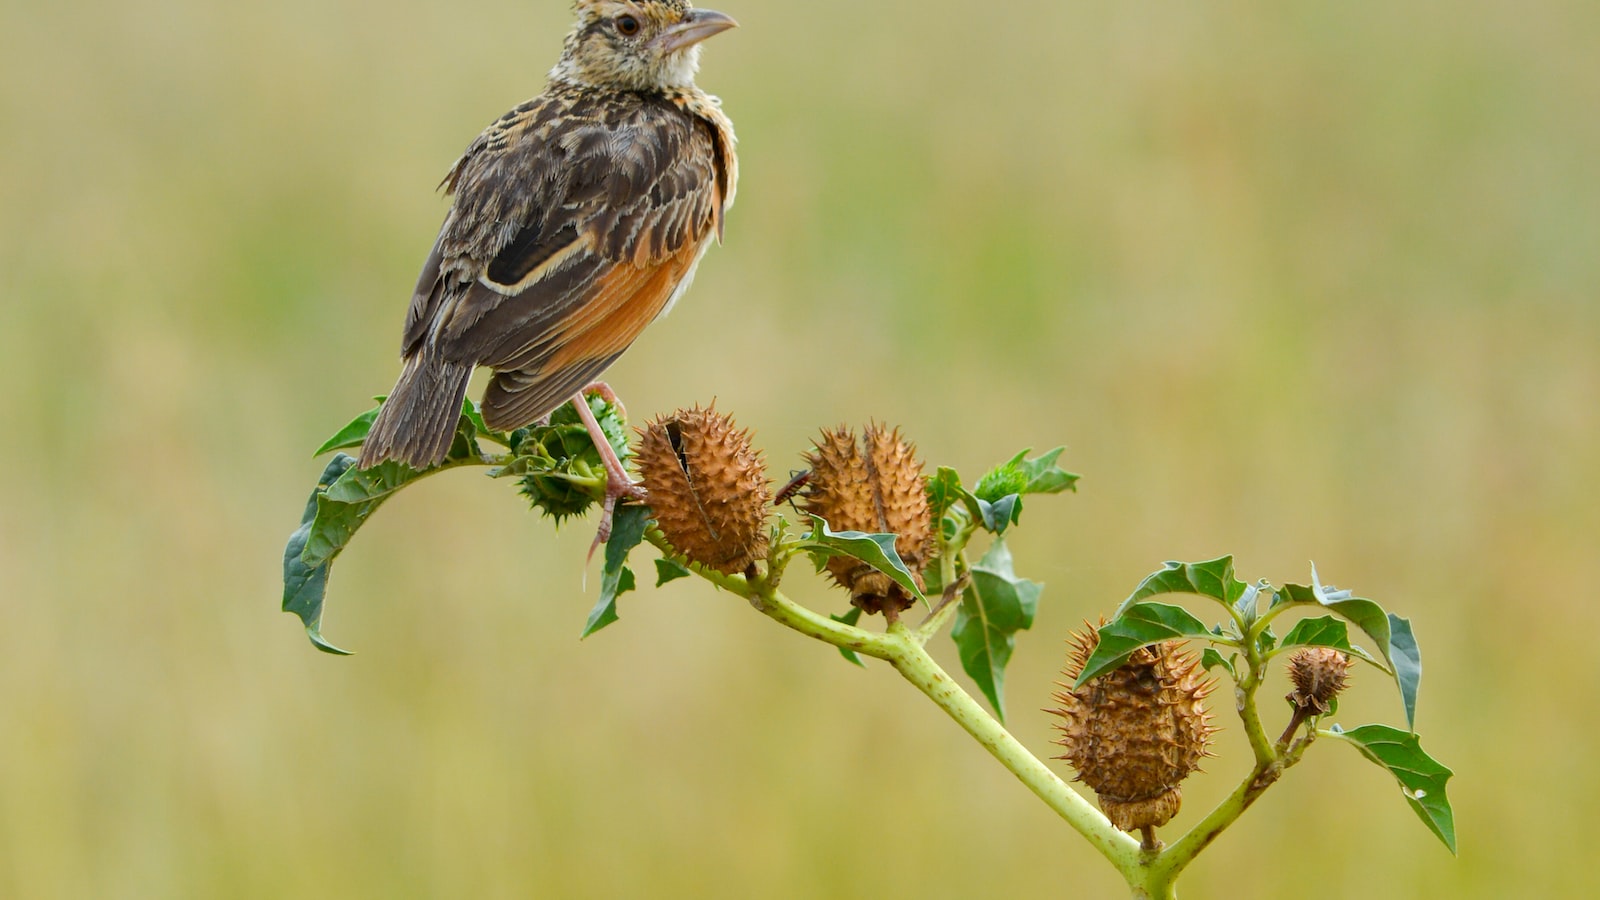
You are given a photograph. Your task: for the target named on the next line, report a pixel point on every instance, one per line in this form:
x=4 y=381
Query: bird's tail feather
x=417 y=421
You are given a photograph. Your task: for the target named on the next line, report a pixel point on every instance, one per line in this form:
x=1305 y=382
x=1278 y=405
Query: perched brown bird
x=578 y=218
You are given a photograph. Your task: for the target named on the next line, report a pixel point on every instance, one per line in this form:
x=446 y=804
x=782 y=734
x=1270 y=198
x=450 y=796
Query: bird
x=576 y=219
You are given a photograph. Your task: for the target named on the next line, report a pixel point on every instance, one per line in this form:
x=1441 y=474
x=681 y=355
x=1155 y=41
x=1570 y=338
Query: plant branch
x=903 y=649
x=1245 y=699
x=916 y=666
x=943 y=612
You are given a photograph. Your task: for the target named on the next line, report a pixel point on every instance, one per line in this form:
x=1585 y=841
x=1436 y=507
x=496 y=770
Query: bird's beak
x=696 y=26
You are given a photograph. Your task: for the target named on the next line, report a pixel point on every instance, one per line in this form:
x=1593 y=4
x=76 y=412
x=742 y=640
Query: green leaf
x=849 y=618
x=345 y=504
x=351 y=435
x=1323 y=631
x=342 y=501
x=1391 y=634
x=876 y=550
x=1002 y=513
x=1138 y=626
x=628 y=526
x=1212 y=578
x=1248 y=604
x=305 y=585
x=1407 y=662
x=469 y=411
x=1210 y=658
x=998 y=496
x=1045 y=477
x=1020 y=475
x=669 y=570
x=944 y=491
x=360 y=485
x=1422 y=778
x=994 y=607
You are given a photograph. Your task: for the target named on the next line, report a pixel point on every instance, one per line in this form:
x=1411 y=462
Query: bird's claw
x=615 y=491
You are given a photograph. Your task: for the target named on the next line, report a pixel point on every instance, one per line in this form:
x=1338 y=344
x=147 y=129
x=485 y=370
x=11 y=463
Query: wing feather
x=573 y=224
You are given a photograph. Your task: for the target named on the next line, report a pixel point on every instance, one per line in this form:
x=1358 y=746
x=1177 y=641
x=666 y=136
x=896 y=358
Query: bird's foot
x=618 y=485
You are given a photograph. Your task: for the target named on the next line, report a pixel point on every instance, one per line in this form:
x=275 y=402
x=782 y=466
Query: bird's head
x=636 y=45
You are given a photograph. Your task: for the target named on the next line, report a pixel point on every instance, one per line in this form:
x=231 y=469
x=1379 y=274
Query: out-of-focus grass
x=1291 y=280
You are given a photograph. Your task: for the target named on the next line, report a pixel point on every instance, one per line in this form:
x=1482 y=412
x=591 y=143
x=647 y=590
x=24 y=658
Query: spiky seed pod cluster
x=1318 y=675
x=1135 y=733
x=874 y=485
x=707 y=487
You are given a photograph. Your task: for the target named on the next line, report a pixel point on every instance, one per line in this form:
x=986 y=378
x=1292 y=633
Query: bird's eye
x=627 y=26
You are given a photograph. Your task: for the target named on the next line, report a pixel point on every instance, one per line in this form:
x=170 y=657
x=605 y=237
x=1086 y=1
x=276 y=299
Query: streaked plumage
x=578 y=218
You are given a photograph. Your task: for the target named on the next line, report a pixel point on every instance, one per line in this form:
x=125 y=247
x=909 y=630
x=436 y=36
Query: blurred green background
x=1291 y=280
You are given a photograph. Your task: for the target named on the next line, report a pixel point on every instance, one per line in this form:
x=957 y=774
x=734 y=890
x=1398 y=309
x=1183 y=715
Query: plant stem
x=1245 y=698
x=948 y=605
x=917 y=667
x=1151 y=873
x=903 y=649
x=1164 y=870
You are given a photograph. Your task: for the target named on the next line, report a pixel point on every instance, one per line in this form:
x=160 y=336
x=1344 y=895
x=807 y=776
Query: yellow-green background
x=1291 y=280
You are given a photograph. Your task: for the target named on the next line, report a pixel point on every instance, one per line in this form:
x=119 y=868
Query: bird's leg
x=608 y=395
x=618 y=484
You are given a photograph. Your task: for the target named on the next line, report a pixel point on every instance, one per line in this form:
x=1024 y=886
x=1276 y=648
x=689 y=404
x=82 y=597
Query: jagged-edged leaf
x=849 y=618
x=351 y=435
x=944 y=492
x=627 y=531
x=998 y=495
x=1002 y=513
x=1422 y=778
x=345 y=504
x=1323 y=631
x=876 y=550
x=469 y=411
x=1212 y=578
x=343 y=499
x=1248 y=604
x=467 y=430
x=1391 y=635
x=1137 y=626
x=669 y=570
x=1210 y=658
x=305 y=585
x=360 y=485
x=994 y=607
x=1045 y=477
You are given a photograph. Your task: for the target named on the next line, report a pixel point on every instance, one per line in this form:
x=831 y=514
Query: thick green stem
x=1151 y=873
x=1164 y=870
x=870 y=643
x=917 y=667
x=903 y=649
x=1245 y=697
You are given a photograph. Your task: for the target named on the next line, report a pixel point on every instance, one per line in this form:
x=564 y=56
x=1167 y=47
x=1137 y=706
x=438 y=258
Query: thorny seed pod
x=707 y=487
x=1136 y=732
x=873 y=485
x=1318 y=674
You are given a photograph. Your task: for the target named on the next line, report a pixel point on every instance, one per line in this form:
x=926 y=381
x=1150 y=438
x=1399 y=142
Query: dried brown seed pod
x=873 y=485
x=1135 y=733
x=707 y=487
x=1318 y=674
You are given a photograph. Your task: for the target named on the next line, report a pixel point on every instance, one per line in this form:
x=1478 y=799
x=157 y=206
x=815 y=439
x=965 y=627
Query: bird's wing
x=571 y=229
